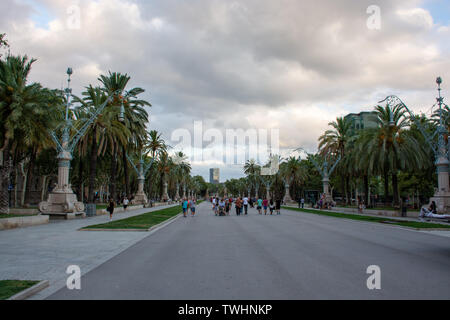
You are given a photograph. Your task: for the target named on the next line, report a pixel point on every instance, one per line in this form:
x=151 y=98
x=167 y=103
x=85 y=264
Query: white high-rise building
x=214 y=175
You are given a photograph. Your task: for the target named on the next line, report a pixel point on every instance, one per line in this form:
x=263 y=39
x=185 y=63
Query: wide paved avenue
x=292 y=256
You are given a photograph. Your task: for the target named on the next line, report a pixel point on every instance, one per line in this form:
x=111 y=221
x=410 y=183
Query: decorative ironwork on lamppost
x=140 y=197
x=439 y=147
x=325 y=172
x=62 y=200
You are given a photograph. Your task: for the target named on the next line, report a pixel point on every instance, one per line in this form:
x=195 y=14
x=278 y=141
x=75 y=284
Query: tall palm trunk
x=125 y=171
x=30 y=176
x=395 y=189
x=366 y=190
x=112 y=185
x=5 y=171
x=93 y=166
x=24 y=183
x=348 y=195
x=386 y=188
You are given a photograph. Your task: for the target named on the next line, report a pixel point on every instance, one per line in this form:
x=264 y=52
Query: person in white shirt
x=125 y=203
x=245 y=200
x=222 y=207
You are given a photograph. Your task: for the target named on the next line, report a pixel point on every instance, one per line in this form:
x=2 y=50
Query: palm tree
x=182 y=169
x=27 y=111
x=155 y=143
x=165 y=165
x=102 y=134
x=391 y=147
x=134 y=115
x=253 y=172
x=291 y=171
x=336 y=142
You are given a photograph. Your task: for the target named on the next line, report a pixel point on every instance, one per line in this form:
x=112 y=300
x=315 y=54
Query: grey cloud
x=228 y=62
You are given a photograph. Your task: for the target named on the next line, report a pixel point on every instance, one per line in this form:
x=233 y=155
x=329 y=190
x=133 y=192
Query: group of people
x=112 y=204
x=223 y=206
x=189 y=205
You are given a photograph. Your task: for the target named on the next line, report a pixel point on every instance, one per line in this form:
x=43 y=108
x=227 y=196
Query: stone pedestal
x=442 y=194
x=140 y=198
x=287 y=198
x=442 y=200
x=62 y=200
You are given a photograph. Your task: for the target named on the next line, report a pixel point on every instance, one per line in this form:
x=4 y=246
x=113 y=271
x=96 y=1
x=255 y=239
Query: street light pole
x=440 y=149
x=140 y=197
x=62 y=200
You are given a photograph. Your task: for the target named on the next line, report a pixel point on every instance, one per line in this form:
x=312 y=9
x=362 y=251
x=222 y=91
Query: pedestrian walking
x=215 y=205
x=110 y=208
x=265 y=205
x=278 y=206
x=246 y=205
x=259 y=205
x=238 y=205
x=271 y=206
x=192 y=205
x=222 y=205
x=302 y=202
x=185 y=207
x=125 y=203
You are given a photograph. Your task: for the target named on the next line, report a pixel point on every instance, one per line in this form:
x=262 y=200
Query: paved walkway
x=292 y=256
x=371 y=213
x=44 y=252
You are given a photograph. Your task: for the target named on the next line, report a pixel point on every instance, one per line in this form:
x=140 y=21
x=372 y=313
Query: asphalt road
x=292 y=256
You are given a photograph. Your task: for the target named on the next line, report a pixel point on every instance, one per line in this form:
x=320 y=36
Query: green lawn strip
x=141 y=222
x=403 y=223
x=9 y=288
x=378 y=208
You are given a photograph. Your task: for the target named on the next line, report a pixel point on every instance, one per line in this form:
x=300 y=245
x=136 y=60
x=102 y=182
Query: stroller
x=222 y=211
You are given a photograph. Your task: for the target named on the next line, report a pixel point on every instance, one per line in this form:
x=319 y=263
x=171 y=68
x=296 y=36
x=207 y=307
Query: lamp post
x=140 y=198
x=325 y=172
x=62 y=200
x=440 y=148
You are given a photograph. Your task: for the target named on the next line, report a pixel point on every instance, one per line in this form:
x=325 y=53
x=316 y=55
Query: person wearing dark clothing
x=110 y=208
x=278 y=206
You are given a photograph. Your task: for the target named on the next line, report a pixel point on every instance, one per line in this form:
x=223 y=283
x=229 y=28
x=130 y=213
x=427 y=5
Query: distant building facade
x=214 y=175
x=362 y=120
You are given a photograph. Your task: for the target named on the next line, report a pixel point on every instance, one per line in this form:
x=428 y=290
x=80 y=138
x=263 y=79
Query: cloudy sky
x=291 y=65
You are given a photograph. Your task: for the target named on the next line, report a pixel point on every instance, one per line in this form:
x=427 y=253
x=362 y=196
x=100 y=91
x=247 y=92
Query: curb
x=31 y=291
x=165 y=223
x=394 y=225
x=153 y=228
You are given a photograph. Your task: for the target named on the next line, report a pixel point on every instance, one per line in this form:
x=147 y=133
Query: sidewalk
x=44 y=252
x=366 y=213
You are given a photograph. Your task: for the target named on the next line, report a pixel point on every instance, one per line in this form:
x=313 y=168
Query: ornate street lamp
x=440 y=148
x=62 y=200
x=325 y=172
x=140 y=197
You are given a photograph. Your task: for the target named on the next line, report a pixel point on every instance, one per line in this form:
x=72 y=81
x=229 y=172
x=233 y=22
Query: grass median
x=403 y=223
x=9 y=288
x=141 y=222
